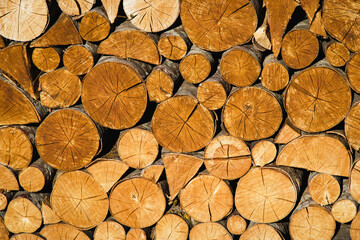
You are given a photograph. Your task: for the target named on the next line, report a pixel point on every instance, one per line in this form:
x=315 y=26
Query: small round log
x=62 y=231
x=171 y=226
x=4 y=233
x=210 y=230
x=263 y=152
x=173 y=44
x=275 y=74
x=324 y=188
x=79 y=59
x=5 y=198
x=94 y=26
x=75 y=8
x=46 y=59
x=109 y=230
x=8 y=180
x=136 y=234
x=336 y=53
x=261 y=231
x=345 y=208
x=236 y=224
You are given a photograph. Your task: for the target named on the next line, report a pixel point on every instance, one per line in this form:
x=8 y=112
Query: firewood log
x=275 y=74
x=23 y=20
x=240 y=65
x=309 y=216
x=26 y=236
x=236 y=224
x=136 y=234
x=355 y=226
x=317 y=98
x=310 y=7
x=79 y=59
x=95 y=25
x=181 y=124
x=336 y=53
x=317 y=25
x=263 y=152
x=227 y=157
x=46 y=59
x=4 y=233
x=272 y=200
x=252 y=113
x=129 y=42
x=352 y=68
x=324 y=189
x=79 y=200
x=115 y=84
x=354 y=180
x=261 y=39
x=154 y=171
x=48 y=214
x=209 y=230
x=68 y=139
x=171 y=226
x=207 y=198
x=8 y=180
x=74 y=8
x=63 y=32
x=5 y=198
x=173 y=44
x=218 y=26
x=263 y=231
x=345 y=208
x=305 y=152
x=59 y=88
x=299 y=47
x=108 y=230
x=163 y=81
x=196 y=66
x=61 y=231
x=153 y=16
x=287 y=133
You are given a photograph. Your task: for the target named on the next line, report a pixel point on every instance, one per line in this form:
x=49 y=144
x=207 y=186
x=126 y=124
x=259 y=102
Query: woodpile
x=179 y=119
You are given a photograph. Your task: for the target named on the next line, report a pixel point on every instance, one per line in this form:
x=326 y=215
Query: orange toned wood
x=173 y=44
x=310 y=7
x=16 y=64
x=324 y=189
x=218 y=26
x=227 y=157
x=129 y=42
x=16 y=147
x=299 y=47
x=336 y=53
x=23 y=20
x=111 y=8
x=107 y=171
x=196 y=66
x=354 y=227
x=36 y=176
x=317 y=98
x=261 y=231
x=181 y=124
x=8 y=180
x=354 y=179
x=137 y=202
x=240 y=66
x=79 y=200
x=4 y=233
x=171 y=226
x=163 y=81
x=340 y=21
x=211 y=230
x=213 y=92
x=79 y=59
x=2 y=43
x=345 y=208
x=207 y=198
x=121 y=87
x=136 y=234
x=352 y=67
x=26 y=236
x=48 y=214
x=63 y=32
x=152 y=16
x=275 y=74
x=279 y=14
x=287 y=133
x=46 y=59
x=261 y=39
x=180 y=168
x=236 y=224
x=95 y=25
x=67 y=139
x=109 y=230
x=59 y=88
x=154 y=171
x=252 y=113
x=263 y=152
x=75 y=8
x=317 y=25
x=5 y=198
x=270 y=201
x=61 y=231
x=319 y=153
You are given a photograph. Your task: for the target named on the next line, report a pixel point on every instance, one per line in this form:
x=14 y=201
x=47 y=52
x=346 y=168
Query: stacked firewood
x=175 y=120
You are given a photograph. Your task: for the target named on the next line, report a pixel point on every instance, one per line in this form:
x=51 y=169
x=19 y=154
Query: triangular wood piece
x=48 y=214
x=279 y=14
x=111 y=8
x=310 y=7
x=15 y=106
x=63 y=32
x=287 y=133
x=8 y=179
x=15 y=64
x=180 y=169
x=317 y=25
x=153 y=172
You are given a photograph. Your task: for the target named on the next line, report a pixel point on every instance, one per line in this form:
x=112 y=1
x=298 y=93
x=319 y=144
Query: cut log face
x=355 y=182
x=8 y=179
x=26 y=236
x=207 y=198
x=111 y=8
x=48 y=214
x=136 y=234
x=153 y=172
x=171 y=226
x=324 y=188
x=173 y=44
x=352 y=72
x=137 y=203
x=16 y=150
x=274 y=75
x=263 y=152
x=152 y=16
x=317 y=99
x=337 y=54
x=79 y=200
x=46 y=59
x=227 y=157
x=310 y=7
x=74 y=8
x=268 y=202
x=23 y=20
x=317 y=25
x=218 y=26
x=240 y=67
x=211 y=230
x=114 y=94
x=340 y=21
x=252 y=113
x=344 y=210
x=67 y=139
x=59 y=89
x=4 y=233
x=355 y=227
x=94 y=26
x=78 y=59
x=137 y=147
x=109 y=230
x=236 y=224
x=312 y=152
x=265 y=231
x=62 y=231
